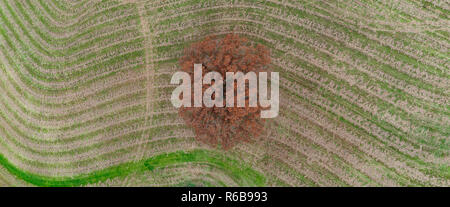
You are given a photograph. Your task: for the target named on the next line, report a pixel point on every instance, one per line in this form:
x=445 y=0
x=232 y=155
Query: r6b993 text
x=246 y=196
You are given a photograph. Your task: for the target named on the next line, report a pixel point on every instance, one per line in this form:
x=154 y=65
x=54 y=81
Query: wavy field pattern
x=84 y=93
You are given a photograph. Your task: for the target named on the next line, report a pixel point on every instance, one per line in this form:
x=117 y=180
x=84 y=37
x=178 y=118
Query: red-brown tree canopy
x=224 y=125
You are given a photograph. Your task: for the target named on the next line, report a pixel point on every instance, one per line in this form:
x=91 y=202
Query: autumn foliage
x=225 y=125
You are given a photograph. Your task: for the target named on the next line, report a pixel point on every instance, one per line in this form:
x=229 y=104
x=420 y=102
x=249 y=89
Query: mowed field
x=364 y=92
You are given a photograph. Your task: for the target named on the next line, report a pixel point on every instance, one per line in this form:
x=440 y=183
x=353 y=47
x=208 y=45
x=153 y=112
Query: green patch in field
x=242 y=174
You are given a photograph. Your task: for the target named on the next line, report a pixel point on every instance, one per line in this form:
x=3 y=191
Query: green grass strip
x=243 y=174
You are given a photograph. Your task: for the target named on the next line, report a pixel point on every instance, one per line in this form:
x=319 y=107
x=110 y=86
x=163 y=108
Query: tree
x=224 y=125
